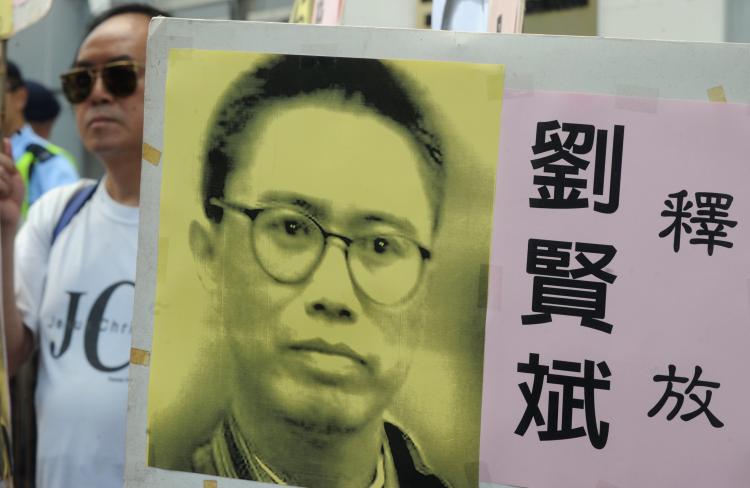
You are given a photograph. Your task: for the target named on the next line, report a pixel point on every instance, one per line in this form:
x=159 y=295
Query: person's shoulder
x=49 y=206
x=42 y=149
x=411 y=469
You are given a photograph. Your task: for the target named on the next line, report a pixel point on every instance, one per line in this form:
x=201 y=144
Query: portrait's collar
x=247 y=465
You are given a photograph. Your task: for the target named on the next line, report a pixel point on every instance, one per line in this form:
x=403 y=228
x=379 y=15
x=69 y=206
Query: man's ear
x=21 y=97
x=204 y=252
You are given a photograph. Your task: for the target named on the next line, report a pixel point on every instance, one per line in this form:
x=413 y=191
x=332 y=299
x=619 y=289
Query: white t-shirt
x=77 y=298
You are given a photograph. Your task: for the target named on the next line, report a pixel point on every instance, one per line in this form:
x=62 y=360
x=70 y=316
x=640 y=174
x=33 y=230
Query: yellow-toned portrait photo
x=324 y=242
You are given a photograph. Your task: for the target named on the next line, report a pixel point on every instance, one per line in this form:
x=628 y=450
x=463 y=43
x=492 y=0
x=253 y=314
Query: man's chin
x=324 y=411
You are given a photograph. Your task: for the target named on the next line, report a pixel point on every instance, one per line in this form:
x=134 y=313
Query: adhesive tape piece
x=494 y=287
x=518 y=85
x=139 y=356
x=151 y=154
x=636 y=98
x=604 y=484
x=716 y=94
x=210 y=484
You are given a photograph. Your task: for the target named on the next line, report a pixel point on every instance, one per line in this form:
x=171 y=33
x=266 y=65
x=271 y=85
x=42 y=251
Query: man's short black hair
x=127 y=8
x=369 y=83
x=13 y=76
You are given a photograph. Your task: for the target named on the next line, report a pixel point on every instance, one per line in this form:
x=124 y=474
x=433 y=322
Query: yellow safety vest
x=36 y=153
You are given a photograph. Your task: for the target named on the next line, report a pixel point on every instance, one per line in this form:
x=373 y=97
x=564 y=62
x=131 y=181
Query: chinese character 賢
x=560 y=290
x=564 y=152
x=559 y=418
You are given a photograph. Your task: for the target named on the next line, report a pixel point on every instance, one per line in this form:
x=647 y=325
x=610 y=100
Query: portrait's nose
x=330 y=293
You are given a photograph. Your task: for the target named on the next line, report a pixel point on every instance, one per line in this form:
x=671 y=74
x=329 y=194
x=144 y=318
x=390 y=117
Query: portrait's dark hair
x=13 y=76
x=126 y=8
x=365 y=82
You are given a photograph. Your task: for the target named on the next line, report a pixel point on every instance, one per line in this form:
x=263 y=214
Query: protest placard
x=610 y=343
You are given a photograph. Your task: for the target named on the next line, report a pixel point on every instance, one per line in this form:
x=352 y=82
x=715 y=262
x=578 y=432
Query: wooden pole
x=6 y=458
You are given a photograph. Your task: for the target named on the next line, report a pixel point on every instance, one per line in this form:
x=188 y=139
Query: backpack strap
x=72 y=207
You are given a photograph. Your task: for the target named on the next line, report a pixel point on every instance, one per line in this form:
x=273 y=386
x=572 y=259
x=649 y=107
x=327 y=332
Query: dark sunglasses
x=120 y=78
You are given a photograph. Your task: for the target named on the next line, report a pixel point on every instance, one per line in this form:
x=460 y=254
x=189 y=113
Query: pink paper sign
x=618 y=318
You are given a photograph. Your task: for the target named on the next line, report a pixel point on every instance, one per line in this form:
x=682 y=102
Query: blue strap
x=74 y=205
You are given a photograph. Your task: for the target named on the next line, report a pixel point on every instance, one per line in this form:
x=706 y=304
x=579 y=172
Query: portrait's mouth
x=322 y=347
x=326 y=363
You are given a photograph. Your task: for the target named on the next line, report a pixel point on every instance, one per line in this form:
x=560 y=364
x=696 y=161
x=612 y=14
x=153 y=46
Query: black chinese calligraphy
x=702 y=403
x=711 y=216
x=559 y=419
x=559 y=289
x=565 y=154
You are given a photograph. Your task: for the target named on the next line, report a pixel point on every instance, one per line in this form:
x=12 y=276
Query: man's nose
x=330 y=293
x=99 y=93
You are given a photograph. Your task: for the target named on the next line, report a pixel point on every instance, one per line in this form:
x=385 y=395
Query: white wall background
x=677 y=20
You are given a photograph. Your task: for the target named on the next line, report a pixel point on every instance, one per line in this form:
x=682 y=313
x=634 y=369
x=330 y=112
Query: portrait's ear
x=204 y=251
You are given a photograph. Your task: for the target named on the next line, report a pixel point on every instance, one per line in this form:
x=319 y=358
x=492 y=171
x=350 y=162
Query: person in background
x=42 y=165
x=41 y=109
x=68 y=282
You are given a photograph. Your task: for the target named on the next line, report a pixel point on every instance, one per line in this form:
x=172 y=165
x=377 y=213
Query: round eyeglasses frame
x=252 y=213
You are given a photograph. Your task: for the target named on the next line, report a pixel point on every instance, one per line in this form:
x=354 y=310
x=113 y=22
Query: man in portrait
x=323 y=183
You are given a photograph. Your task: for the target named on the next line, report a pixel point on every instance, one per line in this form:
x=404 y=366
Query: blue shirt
x=57 y=170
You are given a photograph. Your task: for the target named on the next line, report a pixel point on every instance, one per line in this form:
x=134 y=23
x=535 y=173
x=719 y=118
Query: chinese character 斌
x=559 y=419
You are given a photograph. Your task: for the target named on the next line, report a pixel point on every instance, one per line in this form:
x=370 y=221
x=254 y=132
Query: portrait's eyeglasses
x=120 y=78
x=289 y=246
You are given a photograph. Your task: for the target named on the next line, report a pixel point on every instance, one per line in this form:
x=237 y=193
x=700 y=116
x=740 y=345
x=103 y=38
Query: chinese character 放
x=671 y=378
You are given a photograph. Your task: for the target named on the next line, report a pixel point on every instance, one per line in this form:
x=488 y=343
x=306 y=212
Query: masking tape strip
x=210 y=484
x=635 y=98
x=518 y=85
x=151 y=154
x=139 y=356
x=605 y=484
x=716 y=94
x=494 y=275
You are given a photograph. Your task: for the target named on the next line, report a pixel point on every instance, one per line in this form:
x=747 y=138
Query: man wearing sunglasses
x=74 y=283
x=42 y=165
x=315 y=257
